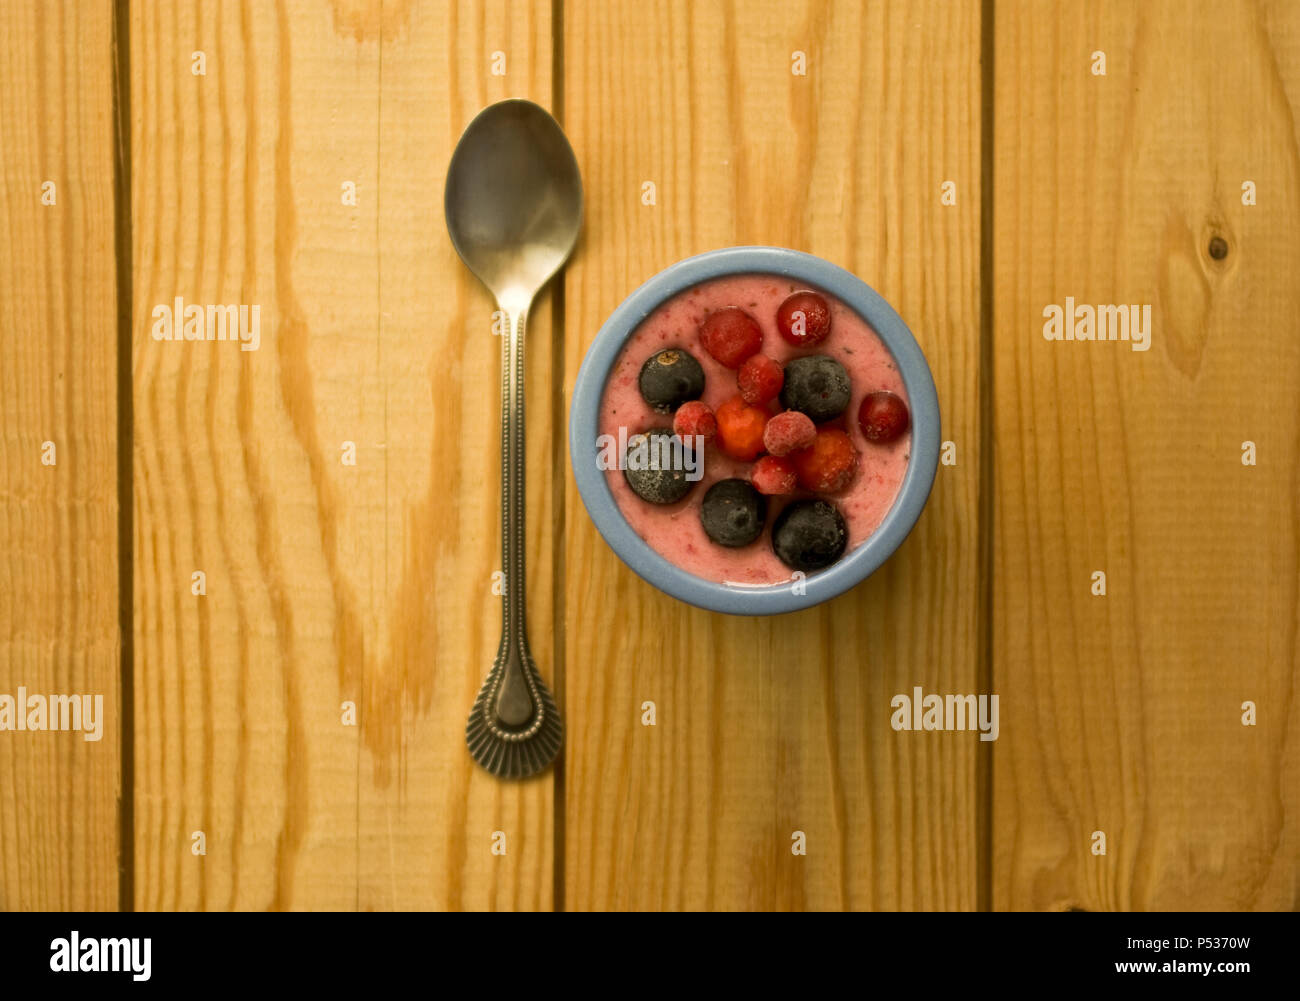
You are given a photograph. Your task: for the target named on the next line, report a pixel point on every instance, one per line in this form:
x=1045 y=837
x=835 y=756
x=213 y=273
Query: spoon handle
x=514 y=729
x=514 y=463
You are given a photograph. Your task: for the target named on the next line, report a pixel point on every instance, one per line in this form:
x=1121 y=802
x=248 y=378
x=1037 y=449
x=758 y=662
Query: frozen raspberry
x=731 y=335
x=740 y=429
x=789 y=432
x=804 y=319
x=695 y=418
x=882 y=417
x=772 y=475
x=828 y=465
x=760 y=379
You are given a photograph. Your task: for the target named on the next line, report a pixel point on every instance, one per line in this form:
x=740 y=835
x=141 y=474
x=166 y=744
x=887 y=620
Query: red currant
x=730 y=335
x=882 y=417
x=804 y=319
x=773 y=475
x=760 y=379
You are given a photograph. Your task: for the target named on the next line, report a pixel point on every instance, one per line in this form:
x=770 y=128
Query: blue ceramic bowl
x=856 y=565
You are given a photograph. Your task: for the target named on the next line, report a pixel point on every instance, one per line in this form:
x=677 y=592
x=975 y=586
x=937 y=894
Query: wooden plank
x=58 y=522
x=327 y=583
x=238 y=453
x=427 y=813
x=768 y=726
x=1123 y=713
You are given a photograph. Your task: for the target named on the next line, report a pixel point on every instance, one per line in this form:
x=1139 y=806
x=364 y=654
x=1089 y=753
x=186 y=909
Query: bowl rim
x=770 y=599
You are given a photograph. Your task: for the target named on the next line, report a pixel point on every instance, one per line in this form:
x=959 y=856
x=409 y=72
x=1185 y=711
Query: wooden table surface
x=969 y=160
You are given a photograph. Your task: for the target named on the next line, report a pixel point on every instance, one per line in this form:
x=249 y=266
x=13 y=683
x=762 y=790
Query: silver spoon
x=514 y=206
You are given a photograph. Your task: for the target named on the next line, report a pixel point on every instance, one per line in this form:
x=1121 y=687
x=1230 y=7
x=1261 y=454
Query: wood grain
x=326 y=582
x=1123 y=713
x=329 y=583
x=768 y=726
x=428 y=815
x=58 y=523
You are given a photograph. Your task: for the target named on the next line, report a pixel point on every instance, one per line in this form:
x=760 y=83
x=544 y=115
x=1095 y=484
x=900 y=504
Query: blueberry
x=809 y=535
x=733 y=513
x=669 y=378
x=816 y=385
x=654 y=467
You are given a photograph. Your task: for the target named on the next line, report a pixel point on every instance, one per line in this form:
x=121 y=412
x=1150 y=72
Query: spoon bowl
x=513 y=199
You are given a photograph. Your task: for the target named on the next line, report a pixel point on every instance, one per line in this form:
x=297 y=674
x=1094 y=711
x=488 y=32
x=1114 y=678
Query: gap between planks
x=125 y=274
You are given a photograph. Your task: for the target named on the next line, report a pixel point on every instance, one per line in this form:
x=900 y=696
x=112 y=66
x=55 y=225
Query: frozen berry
x=655 y=467
x=789 y=432
x=733 y=513
x=669 y=378
x=740 y=429
x=828 y=465
x=809 y=535
x=804 y=319
x=816 y=385
x=760 y=379
x=694 y=418
x=731 y=335
x=772 y=475
x=882 y=417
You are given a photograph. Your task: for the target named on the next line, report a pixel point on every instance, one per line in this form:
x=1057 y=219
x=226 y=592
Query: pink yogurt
x=675 y=530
